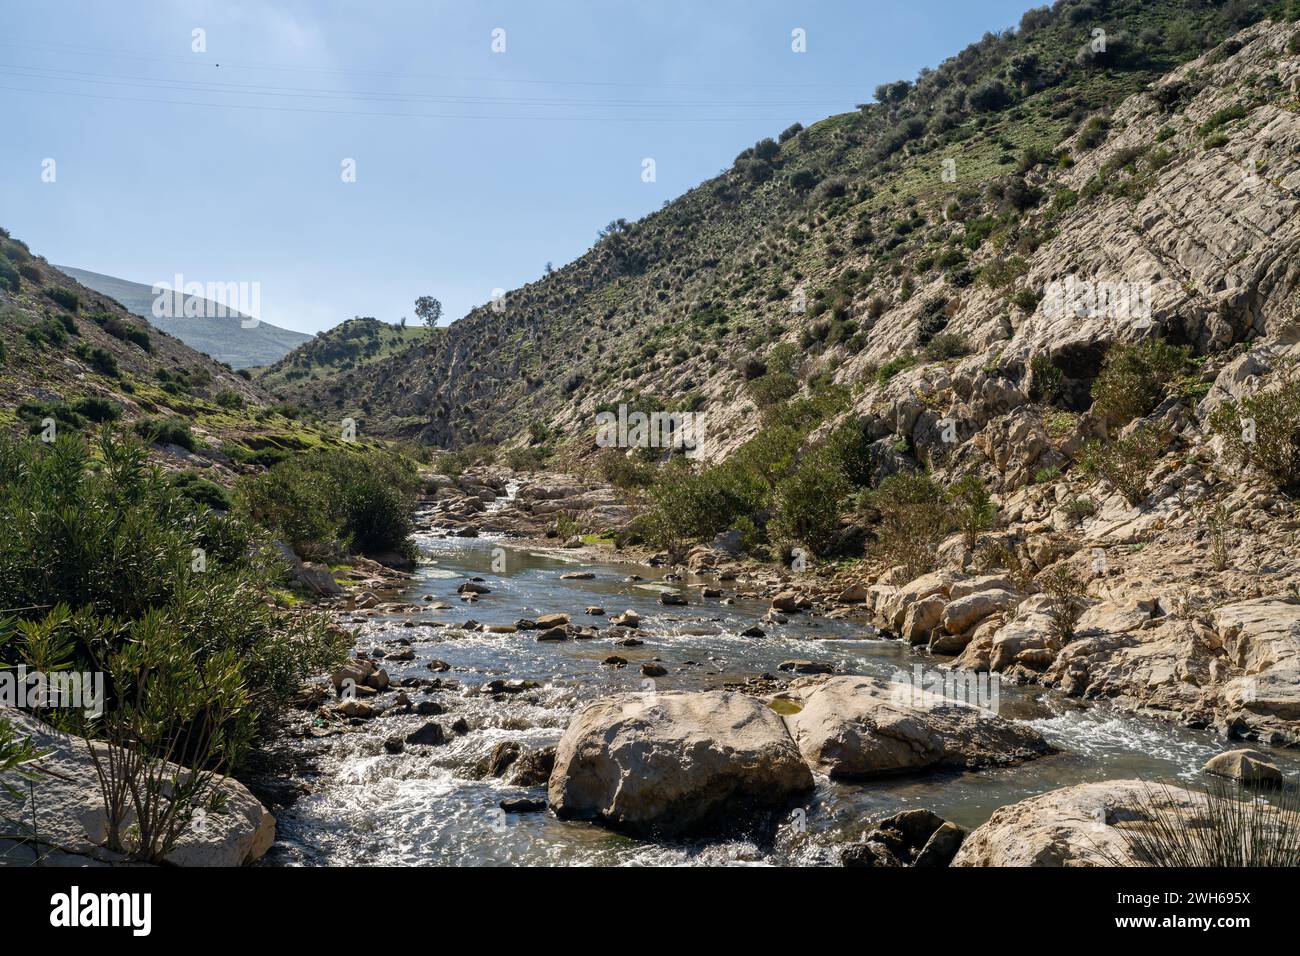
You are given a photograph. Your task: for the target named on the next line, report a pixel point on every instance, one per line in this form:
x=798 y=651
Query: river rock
x=862 y=727
x=965 y=612
x=910 y=838
x=628 y=618
x=1248 y=766
x=548 y=621
x=430 y=735
x=676 y=763
x=533 y=768
x=1082 y=825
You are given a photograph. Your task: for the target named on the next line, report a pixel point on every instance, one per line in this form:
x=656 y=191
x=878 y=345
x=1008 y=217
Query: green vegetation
x=166 y=431
x=1134 y=379
x=111 y=568
x=1263 y=432
x=1067 y=593
x=1126 y=463
x=765 y=490
x=327 y=503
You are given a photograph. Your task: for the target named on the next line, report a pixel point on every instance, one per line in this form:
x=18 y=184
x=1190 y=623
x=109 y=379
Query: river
x=420 y=808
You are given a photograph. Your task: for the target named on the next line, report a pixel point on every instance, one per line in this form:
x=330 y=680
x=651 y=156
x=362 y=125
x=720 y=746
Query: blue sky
x=473 y=168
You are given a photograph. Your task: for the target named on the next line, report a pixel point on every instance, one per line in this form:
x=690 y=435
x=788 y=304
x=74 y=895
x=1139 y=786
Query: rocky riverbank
x=741 y=755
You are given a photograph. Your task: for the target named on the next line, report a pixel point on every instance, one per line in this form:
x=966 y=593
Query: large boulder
x=671 y=764
x=1247 y=766
x=71 y=808
x=1083 y=825
x=861 y=727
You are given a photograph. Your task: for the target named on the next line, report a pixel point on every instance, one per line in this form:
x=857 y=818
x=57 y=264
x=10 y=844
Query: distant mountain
x=225 y=339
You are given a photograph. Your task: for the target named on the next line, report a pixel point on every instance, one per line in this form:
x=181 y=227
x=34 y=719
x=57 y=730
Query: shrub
x=97 y=409
x=324 y=503
x=1046 y=380
x=229 y=398
x=945 y=346
x=1263 y=432
x=807 y=503
x=1125 y=462
x=1235 y=826
x=1093 y=133
x=894 y=366
x=911 y=518
x=64 y=297
x=973 y=509
x=166 y=431
x=100 y=360
x=774 y=387
x=989 y=97
x=1067 y=595
x=1135 y=378
x=109 y=545
x=201 y=491
x=9 y=276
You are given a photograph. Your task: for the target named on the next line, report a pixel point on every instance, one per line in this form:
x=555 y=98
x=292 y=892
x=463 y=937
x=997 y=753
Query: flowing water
x=371 y=807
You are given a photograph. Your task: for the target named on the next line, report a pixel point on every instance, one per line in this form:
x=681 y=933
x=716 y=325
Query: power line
x=453 y=116
x=202 y=86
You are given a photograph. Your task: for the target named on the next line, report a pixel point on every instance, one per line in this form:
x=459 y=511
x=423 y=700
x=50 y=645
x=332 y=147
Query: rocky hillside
x=78 y=357
x=224 y=338
x=922 y=227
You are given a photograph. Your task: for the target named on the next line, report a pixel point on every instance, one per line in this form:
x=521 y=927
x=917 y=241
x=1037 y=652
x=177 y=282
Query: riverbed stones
x=676 y=763
x=1081 y=825
x=628 y=618
x=1248 y=766
x=473 y=587
x=918 y=838
x=653 y=670
x=533 y=768
x=965 y=612
x=863 y=727
x=430 y=735
x=547 y=621
x=799 y=666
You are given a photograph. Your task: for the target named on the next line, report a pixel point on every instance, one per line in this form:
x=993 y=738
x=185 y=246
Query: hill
x=844 y=250
x=224 y=338
x=327 y=361
x=71 y=354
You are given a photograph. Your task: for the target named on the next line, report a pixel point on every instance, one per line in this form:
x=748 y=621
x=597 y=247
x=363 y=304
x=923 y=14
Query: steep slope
x=224 y=338
x=854 y=240
x=77 y=357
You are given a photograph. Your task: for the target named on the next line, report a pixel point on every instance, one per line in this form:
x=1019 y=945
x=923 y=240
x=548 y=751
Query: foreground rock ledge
x=676 y=764
x=72 y=819
x=861 y=727
x=1081 y=825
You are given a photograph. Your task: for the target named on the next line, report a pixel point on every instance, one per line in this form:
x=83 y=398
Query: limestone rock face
x=862 y=727
x=72 y=818
x=1074 y=826
x=676 y=763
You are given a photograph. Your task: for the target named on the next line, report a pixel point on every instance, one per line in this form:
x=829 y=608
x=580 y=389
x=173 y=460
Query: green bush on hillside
x=330 y=502
x=1262 y=431
x=1134 y=379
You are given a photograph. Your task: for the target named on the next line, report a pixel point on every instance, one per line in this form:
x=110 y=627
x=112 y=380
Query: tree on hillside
x=428 y=309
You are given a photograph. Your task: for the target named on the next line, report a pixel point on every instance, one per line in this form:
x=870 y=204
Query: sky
x=487 y=138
